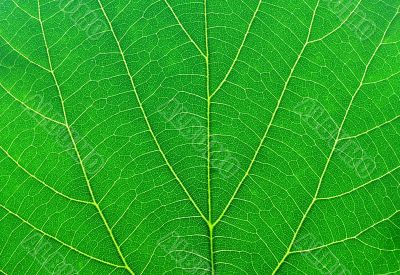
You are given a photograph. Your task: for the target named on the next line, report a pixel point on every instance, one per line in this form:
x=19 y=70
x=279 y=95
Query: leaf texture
x=199 y=137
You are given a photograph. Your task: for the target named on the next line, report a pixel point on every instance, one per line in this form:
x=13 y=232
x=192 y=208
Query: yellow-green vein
x=145 y=115
x=30 y=108
x=184 y=29
x=41 y=181
x=315 y=197
x=271 y=120
x=239 y=50
x=209 y=200
x=355 y=237
x=110 y=232
x=58 y=240
x=24 y=56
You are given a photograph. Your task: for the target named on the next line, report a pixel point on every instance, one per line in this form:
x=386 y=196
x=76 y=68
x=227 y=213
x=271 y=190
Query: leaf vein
x=285 y=88
x=110 y=232
x=314 y=199
x=145 y=115
x=58 y=240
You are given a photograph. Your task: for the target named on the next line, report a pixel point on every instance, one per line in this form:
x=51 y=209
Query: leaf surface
x=202 y=137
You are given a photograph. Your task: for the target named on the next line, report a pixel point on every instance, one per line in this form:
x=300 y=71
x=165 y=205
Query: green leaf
x=191 y=137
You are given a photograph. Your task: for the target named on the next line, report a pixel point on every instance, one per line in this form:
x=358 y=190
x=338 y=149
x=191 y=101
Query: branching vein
x=270 y=122
x=110 y=232
x=145 y=115
x=328 y=161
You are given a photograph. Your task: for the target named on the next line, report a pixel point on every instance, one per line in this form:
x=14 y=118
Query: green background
x=191 y=137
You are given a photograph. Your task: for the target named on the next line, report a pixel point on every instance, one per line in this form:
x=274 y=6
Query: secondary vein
x=145 y=115
x=30 y=108
x=41 y=181
x=58 y=240
x=184 y=29
x=110 y=232
x=270 y=122
x=355 y=237
x=315 y=198
x=239 y=50
x=24 y=56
